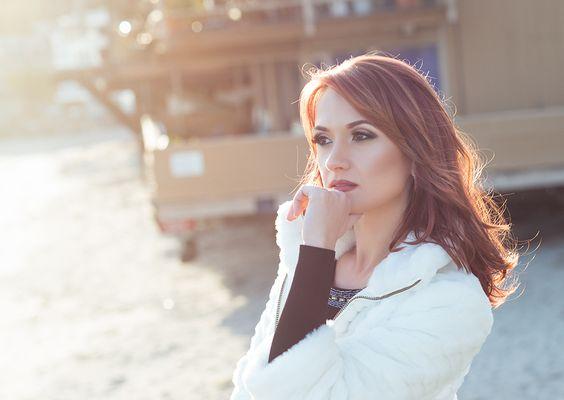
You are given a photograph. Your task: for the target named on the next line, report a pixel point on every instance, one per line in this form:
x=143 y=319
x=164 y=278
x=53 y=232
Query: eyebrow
x=349 y=125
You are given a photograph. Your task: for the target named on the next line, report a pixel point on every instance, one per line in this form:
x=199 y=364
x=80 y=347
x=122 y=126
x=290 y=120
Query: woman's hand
x=328 y=215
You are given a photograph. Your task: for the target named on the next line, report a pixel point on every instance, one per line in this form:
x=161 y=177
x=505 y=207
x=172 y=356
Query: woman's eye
x=365 y=134
x=320 y=139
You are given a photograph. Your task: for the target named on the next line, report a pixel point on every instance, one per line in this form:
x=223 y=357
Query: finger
x=299 y=203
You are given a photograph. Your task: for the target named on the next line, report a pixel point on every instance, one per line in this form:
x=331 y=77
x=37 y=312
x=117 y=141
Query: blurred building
x=203 y=83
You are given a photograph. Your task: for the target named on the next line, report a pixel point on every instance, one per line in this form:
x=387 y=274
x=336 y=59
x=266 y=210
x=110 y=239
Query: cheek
x=387 y=171
x=322 y=171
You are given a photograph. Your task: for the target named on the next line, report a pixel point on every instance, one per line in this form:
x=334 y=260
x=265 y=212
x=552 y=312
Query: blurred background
x=145 y=146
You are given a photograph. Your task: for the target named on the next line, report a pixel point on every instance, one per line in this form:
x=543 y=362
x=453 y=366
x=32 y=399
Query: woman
x=386 y=284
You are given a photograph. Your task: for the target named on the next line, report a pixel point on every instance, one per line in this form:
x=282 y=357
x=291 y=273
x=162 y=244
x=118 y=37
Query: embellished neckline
x=338 y=289
x=338 y=297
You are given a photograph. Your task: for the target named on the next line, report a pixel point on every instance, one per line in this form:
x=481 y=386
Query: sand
x=96 y=304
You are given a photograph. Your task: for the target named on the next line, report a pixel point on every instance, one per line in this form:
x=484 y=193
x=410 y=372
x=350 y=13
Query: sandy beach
x=96 y=304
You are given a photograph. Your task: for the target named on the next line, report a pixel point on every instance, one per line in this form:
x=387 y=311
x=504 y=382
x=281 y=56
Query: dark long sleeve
x=306 y=306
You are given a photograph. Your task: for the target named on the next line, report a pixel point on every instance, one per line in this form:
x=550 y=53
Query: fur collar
x=396 y=270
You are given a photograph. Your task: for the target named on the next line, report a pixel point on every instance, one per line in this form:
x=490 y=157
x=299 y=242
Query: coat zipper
x=375 y=297
x=345 y=306
x=278 y=305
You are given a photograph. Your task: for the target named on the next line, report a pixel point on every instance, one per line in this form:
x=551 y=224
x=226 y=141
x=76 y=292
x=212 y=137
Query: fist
x=328 y=215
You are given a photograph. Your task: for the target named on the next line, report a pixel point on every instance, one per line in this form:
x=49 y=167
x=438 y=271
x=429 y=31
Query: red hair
x=448 y=204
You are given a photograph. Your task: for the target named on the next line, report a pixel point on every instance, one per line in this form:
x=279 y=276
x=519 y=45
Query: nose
x=338 y=158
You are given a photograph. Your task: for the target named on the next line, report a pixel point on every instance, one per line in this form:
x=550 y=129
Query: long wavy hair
x=448 y=204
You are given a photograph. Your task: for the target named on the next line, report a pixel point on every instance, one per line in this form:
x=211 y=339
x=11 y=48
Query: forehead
x=333 y=109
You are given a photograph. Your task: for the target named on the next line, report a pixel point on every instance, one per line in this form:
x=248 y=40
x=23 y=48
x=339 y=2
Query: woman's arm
x=423 y=347
x=306 y=306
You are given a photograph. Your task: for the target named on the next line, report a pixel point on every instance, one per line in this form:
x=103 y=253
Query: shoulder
x=452 y=306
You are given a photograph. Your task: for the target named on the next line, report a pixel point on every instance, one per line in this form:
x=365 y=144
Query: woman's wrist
x=324 y=244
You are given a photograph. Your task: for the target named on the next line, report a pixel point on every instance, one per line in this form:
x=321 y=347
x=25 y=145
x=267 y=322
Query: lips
x=342 y=183
x=345 y=187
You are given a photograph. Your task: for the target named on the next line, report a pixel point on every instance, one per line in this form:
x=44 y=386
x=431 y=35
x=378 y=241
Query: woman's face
x=350 y=148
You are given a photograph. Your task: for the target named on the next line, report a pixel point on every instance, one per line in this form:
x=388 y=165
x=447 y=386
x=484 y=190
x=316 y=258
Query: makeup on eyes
x=318 y=137
x=350 y=125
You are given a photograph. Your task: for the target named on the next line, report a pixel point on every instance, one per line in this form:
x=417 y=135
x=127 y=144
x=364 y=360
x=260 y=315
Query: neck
x=374 y=232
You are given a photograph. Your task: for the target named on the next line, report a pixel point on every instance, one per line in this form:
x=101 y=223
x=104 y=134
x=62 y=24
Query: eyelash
x=317 y=138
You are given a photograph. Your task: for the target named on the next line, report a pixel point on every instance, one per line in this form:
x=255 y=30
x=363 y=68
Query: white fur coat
x=411 y=334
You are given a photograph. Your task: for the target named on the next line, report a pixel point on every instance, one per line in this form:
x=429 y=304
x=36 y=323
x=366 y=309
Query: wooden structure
x=217 y=88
